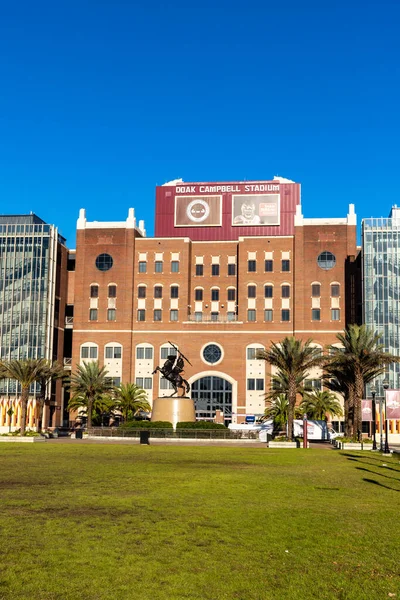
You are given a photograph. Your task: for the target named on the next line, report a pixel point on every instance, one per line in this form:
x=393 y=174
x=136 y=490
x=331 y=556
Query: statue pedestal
x=173 y=410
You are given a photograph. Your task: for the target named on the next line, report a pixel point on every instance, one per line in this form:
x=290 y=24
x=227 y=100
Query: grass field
x=163 y=523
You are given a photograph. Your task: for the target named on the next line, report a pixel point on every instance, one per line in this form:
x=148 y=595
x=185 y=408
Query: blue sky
x=101 y=101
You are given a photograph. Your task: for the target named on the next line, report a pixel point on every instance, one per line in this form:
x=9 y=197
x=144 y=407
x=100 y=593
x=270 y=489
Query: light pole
x=386 y=449
x=373 y=392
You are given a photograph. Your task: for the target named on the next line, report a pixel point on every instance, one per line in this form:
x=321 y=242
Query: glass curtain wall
x=381 y=283
x=27 y=290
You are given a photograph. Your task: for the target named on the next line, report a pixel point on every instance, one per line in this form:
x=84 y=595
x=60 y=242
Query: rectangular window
x=174 y=291
x=173 y=315
x=231 y=294
x=230 y=316
x=93 y=314
x=141 y=315
x=285 y=314
x=148 y=383
x=139 y=353
x=251 y=353
x=215 y=295
x=312 y=384
x=165 y=384
x=111 y=314
x=117 y=352
x=116 y=381
x=268 y=315
x=198 y=295
x=109 y=352
x=251 y=315
x=251 y=266
x=94 y=291
x=315 y=314
x=231 y=269
x=335 y=290
x=142 y=291
x=335 y=314
x=139 y=382
x=214 y=316
x=259 y=385
x=315 y=290
x=84 y=352
x=148 y=353
x=251 y=384
x=269 y=266
x=251 y=291
x=285 y=291
x=198 y=316
x=167 y=351
x=199 y=270
x=142 y=266
x=175 y=266
x=112 y=291
x=158 y=291
x=158 y=266
x=93 y=352
x=157 y=315
x=285 y=266
x=215 y=270
x=268 y=291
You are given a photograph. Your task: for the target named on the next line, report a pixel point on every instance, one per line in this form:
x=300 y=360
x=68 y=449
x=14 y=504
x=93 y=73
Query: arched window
x=113 y=351
x=89 y=351
x=335 y=289
x=144 y=351
x=214 y=294
x=112 y=290
x=315 y=289
x=198 y=294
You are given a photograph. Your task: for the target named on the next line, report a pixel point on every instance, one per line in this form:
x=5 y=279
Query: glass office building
x=28 y=274
x=381 y=284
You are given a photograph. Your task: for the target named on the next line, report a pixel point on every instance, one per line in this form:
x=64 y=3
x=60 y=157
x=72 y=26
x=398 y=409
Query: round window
x=212 y=354
x=326 y=260
x=104 y=262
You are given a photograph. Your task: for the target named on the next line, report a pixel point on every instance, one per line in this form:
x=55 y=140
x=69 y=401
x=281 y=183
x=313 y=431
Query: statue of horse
x=172 y=370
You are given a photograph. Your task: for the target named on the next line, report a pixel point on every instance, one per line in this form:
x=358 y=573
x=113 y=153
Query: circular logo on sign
x=198 y=210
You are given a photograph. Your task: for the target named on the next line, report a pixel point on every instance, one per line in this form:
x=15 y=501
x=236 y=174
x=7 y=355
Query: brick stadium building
x=233 y=266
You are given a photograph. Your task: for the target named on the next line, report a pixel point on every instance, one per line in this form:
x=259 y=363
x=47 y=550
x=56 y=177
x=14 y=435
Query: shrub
x=199 y=425
x=146 y=425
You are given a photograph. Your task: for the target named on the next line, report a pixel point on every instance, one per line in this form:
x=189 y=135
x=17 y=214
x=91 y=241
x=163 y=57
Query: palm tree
x=48 y=373
x=131 y=399
x=102 y=405
x=317 y=405
x=25 y=372
x=361 y=359
x=277 y=409
x=90 y=382
x=341 y=381
x=293 y=360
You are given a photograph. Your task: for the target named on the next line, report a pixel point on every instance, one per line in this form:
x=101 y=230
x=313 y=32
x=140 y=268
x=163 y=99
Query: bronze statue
x=172 y=369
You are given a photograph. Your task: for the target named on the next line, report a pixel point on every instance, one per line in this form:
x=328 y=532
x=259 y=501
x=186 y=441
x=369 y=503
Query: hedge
x=199 y=425
x=146 y=425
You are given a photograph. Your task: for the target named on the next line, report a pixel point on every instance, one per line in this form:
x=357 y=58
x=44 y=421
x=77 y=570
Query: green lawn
x=162 y=523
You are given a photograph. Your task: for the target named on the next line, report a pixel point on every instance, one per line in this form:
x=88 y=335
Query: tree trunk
x=292 y=403
x=358 y=396
x=349 y=425
x=24 y=405
x=89 y=413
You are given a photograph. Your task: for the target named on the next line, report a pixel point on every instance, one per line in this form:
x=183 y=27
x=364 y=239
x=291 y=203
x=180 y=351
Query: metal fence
x=197 y=434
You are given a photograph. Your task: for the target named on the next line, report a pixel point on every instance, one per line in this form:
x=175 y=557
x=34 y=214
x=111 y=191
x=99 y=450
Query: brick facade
x=174 y=292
